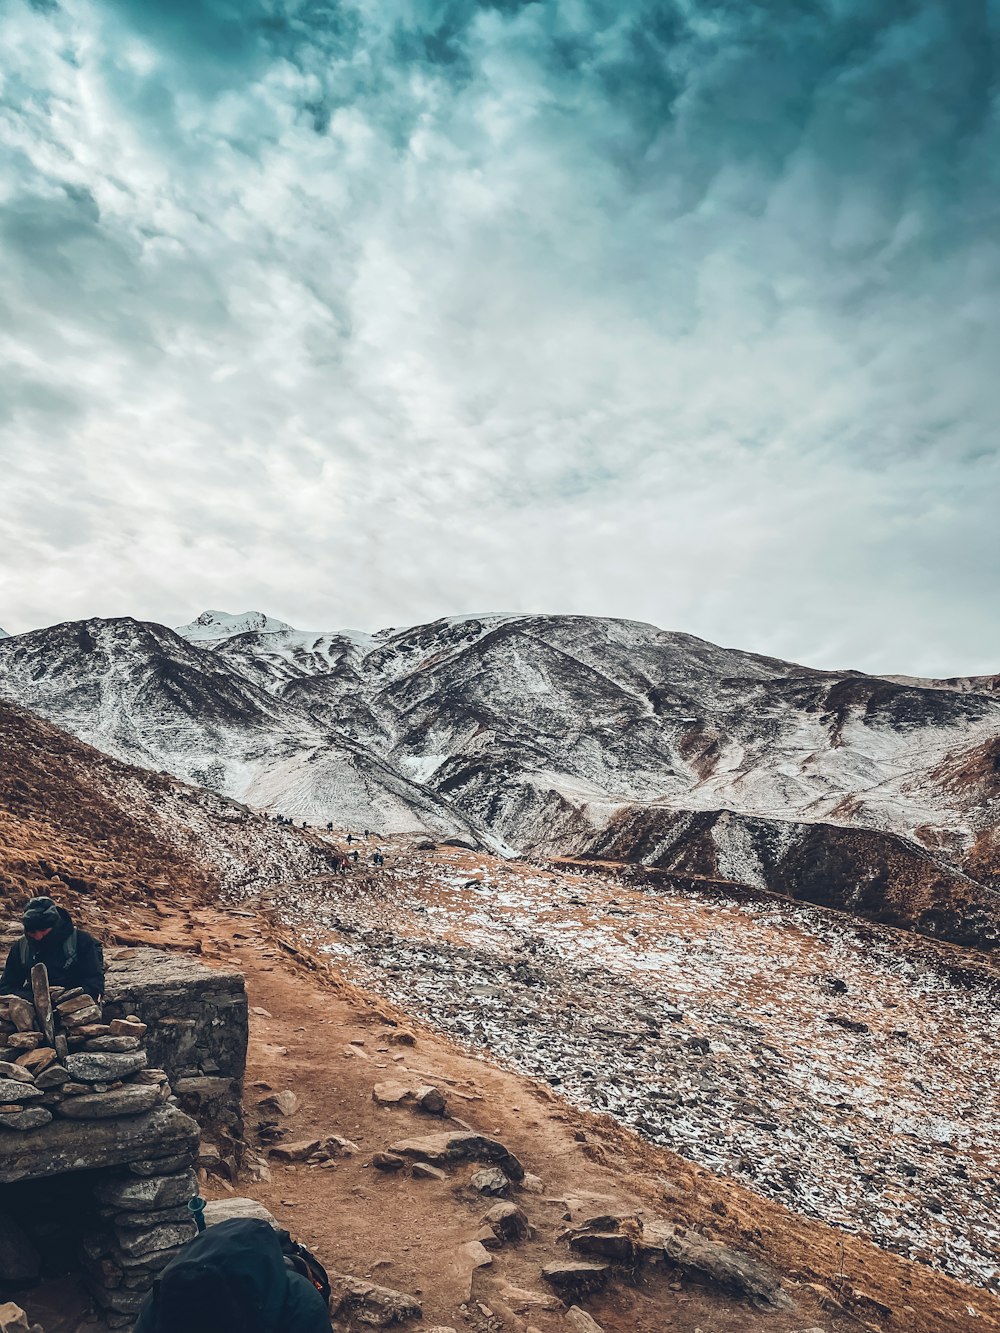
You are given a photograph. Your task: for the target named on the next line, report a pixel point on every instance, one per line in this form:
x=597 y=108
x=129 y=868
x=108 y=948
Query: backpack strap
x=69 y=950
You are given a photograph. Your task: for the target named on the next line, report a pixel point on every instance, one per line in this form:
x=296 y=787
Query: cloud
x=365 y=314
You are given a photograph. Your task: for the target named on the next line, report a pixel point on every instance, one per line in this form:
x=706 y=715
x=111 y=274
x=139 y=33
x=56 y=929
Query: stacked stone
x=147 y=1222
x=58 y=1058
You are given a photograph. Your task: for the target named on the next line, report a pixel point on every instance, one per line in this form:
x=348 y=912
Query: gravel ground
x=838 y=1068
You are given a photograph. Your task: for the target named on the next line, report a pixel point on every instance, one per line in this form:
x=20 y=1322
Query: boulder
x=424 y=1171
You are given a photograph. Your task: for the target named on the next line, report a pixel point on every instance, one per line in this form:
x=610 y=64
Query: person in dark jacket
x=232 y=1278
x=72 y=957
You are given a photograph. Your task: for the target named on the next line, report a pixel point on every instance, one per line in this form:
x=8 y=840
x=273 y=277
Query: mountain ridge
x=539 y=734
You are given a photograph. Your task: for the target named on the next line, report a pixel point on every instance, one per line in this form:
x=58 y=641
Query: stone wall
x=197 y=1029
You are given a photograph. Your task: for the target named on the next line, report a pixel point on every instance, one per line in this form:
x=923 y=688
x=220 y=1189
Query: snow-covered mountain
x=4 y=634
x=220 y=625
x=544 y=733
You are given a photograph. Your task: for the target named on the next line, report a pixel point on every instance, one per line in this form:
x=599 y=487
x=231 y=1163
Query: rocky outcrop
x=869 y=873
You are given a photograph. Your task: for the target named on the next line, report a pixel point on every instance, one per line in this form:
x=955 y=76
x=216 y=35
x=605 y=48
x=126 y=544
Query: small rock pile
x=59 y=1058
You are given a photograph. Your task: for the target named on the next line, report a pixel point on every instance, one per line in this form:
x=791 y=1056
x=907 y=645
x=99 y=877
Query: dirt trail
x=330 y=1042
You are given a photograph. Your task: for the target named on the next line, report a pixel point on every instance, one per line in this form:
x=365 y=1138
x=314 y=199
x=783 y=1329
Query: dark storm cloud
x=368 y=312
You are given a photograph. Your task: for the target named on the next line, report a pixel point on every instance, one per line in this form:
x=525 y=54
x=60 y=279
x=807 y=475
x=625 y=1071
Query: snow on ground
x=834 y=1066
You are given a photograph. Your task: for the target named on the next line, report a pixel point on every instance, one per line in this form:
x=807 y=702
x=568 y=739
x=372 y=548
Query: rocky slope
x=91 y=830
x=776 y=1044
x=554 y=734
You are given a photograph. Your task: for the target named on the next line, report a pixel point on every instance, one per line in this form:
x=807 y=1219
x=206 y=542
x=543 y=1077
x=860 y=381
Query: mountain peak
x=223 y=624
x=3 y=633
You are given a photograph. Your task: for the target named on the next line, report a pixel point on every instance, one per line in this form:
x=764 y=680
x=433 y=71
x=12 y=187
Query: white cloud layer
x=685 y=312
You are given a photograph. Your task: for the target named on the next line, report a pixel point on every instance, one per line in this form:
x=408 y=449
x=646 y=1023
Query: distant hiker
x=304 y=824
x=367 y=833
x=349 y=838
x=354 y=854
x=336 y=864
x=329 y=827
x=72 y=957
x=232 y=1278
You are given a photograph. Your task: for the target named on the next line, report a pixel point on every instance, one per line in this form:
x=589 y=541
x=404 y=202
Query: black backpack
x=304 y=1262
x=68 y=950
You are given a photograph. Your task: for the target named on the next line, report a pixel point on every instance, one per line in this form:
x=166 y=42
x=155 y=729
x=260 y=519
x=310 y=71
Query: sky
x=369 y=312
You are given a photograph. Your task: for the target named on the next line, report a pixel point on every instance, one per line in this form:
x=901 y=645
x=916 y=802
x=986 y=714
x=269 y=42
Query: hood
x=230 y=1279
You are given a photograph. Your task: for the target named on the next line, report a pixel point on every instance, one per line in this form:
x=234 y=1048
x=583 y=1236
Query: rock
x=15 y=1071
x=127 y=1027
x=402 y=1037
x=147 y=1193
x=491 y=1180
x=580 y=1321
x=575 y=1277
x=14 y=1320
x=26 y=1041
x=144 y=1241
x=283 y=1103
x=370 y=1304
x=17 y=1090
x=115 y=1045
x=97 y=1067
x=507 y=1221
x=81 y=1018
x=37 y=1060
x=73 y=1002
x=731 y=1269
x=160 y=1166
x=391 y=1093
x=488 y=1239
x=848 y=1024
x=441 y=1149
x=53 y=1077
x=156 y=1217
x=424 y=1171
x=387 y=1161
x=296 y=1152
x=20 y=1261
x=606 y=1244
x=336 y=1146
x=133 y=1100
x=203 y=1089
x=221 y=1210
x=22 y=1014
x=33 y=1117
x=67 y=1145
x=431 y=1100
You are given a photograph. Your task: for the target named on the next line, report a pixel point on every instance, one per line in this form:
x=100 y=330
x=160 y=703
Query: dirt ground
x=330 y=1043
